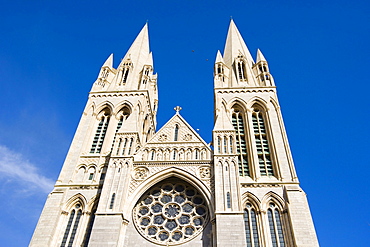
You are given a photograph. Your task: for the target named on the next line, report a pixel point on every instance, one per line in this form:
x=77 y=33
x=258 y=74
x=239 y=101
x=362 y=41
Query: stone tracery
x=170 y=213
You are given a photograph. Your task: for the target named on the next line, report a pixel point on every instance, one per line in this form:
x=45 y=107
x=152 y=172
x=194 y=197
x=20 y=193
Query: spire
x=109 y=61
x=235 y=45
x=219 y=58
x=139 y=50
x=260 y=56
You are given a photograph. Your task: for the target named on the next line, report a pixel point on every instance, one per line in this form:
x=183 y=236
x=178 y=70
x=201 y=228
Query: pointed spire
x=109 y=61
x=139 y=49
x=235 y=45
x=260 y=56
x=219 y=58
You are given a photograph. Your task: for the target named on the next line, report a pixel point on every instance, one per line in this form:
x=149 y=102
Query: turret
x=262 y=72
x=106 y=75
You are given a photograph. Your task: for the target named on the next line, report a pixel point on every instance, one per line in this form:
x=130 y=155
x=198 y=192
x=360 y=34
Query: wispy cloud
x=14 y=167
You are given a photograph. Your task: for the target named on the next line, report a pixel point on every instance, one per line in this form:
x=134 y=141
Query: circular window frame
x=174 y=210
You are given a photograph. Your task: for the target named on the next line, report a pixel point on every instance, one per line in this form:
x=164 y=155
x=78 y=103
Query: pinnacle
x=260 y=56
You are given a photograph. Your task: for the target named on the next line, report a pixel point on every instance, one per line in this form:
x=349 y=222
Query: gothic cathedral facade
x=125 y=184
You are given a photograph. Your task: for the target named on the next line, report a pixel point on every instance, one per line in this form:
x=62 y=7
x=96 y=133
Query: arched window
x=263 y=151
x=123 y=114
x=219 y=144
x=125 y=72
x=231 y=144
x=130 y=147
x=251 y=226
x=241 y=146
x=275 y=225
x=242 y=73
x=228 y=199
x=174 y=154
x=72 y=226
x=119 y=146
x=112 y=200
x=225 y=144
x=176 y=133
x=91 y=173
x=124 y=147
x=196 y=154
x=152 y=155
x=101 y=130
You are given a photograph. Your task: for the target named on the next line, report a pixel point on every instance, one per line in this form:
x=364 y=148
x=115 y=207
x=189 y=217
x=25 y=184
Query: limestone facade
x=125 y=184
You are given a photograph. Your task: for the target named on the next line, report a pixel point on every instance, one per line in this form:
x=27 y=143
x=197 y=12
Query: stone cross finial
x=177 y=109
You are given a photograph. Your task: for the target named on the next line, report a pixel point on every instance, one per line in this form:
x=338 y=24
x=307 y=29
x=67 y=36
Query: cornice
x=170 y=164
x=246 y=90
x=267 y=184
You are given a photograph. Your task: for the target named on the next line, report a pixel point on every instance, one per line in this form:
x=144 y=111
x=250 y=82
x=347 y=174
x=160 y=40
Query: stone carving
x=205 y=172
x=163 y=138
x=187 y=137
x=140 y=173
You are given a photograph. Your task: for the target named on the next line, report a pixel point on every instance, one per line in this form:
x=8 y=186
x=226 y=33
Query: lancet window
x=123 y=114
x=112 y=201
x=225 y=144
x=145 y=74
x=251 y=226
x=262 y=144
x=124 y=146
x=228 y=199
x=241 y=146
x=275 y=225
x=176 y=133
x=130 y=147
x=125 y=72
x=231 y=144
x=101 y=130
x=241 y=70
x=72 y=226
x=219 y=71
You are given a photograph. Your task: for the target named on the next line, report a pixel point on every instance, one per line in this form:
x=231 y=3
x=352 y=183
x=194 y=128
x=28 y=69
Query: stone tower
x=125 y=184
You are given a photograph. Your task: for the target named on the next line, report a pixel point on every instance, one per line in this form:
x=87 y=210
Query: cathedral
x=125 y=183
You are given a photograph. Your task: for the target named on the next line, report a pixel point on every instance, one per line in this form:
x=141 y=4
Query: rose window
x=171 y=213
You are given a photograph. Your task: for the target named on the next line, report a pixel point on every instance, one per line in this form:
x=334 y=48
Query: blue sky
x=318 y=53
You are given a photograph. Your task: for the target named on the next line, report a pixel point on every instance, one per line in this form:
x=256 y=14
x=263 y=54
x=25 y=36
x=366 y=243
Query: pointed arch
x=239 y=121
x=73 y=200
x=274 y=206
x=75 y=208
x=256 y=100
x=101 y=129
x=167 y=173
x=106 y=104
x=262 y=138
x=122 y=105
x=252 y=220
x=237 y=101
x=272 y=197
x=251 y=198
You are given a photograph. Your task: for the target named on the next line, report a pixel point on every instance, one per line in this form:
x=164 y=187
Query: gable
x=176 y=140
